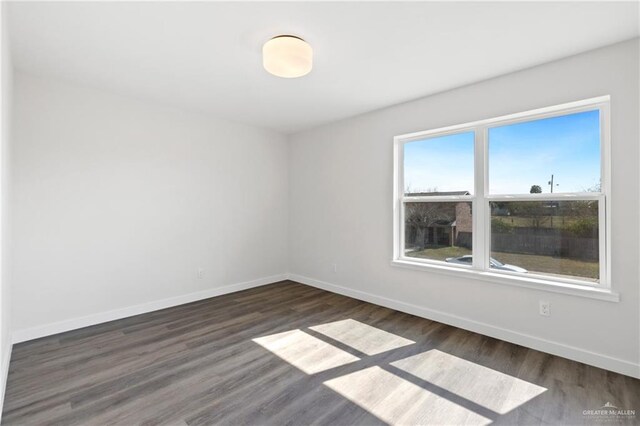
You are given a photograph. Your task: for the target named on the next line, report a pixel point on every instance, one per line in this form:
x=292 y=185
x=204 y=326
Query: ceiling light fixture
x=287 y=56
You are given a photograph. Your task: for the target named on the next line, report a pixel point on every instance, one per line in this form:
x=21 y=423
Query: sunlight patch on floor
x=489 y=388
x=305 y=352
x=365 y=338
x=397 y=401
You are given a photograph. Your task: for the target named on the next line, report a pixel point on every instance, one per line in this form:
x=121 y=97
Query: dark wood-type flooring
x=289 y=354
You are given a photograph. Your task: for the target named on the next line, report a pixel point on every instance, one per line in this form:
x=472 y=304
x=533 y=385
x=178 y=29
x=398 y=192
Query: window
x=523 y=197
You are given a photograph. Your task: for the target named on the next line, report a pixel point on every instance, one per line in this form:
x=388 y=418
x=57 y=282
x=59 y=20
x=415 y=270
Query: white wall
x=6 y=77
x=341 y=212
x=118 y=202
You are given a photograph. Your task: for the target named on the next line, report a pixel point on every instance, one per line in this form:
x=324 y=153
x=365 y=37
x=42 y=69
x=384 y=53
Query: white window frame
x=481 y=198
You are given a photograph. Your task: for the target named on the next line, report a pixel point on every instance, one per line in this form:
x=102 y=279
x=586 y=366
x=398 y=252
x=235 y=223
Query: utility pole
x=551 y=184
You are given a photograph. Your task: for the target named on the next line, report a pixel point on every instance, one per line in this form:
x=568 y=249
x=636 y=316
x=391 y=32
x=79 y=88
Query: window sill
x=526 y=282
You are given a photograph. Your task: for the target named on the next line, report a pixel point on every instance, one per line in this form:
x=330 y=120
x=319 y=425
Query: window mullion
x=480 y=258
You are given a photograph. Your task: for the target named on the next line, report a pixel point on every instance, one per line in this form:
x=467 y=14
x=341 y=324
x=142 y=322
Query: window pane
x=440 y=165
x=523 y=157
x=439 y=231
x=556 y=238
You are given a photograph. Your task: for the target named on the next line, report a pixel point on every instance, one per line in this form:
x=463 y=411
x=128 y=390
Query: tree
x=535 y=189
x=421 y=216
x=536 y=211
x=595 y=188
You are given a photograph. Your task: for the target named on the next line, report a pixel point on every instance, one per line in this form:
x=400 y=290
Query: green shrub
x=583 y=227
x=500 y=226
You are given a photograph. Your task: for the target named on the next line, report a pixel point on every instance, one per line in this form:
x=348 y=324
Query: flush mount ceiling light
x=287 y=56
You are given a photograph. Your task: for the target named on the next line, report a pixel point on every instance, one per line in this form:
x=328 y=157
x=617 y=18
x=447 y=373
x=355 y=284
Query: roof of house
x=436 y=194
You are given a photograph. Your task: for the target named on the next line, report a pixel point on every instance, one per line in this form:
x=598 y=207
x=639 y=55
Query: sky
x=520 y=155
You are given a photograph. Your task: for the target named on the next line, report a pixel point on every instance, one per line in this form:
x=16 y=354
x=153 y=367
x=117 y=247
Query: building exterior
x=438 y=224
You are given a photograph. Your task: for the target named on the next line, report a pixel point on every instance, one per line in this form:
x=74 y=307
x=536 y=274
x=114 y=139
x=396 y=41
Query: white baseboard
x=3 y=376
x=76 y=323
x=587 y=357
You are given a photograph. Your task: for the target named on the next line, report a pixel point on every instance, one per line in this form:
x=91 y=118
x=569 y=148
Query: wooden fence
x=546 y=244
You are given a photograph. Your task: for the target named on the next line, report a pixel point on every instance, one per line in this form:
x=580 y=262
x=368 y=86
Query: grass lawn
x=440 y=253
x=531 y=262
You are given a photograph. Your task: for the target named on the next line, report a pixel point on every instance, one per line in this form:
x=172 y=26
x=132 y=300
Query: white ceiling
x=207 y=56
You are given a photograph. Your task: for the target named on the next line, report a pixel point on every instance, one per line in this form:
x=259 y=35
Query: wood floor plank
x=214 y=362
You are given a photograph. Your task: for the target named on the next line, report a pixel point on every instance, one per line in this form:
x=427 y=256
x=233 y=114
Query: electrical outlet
x=334 y=267
x=545 y=308
x=200 y=273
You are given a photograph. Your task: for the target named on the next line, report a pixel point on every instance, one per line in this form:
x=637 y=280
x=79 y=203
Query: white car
x=467 y=259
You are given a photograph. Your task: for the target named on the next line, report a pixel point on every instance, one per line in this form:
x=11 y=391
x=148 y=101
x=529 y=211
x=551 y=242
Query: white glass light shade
x=287 y=56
